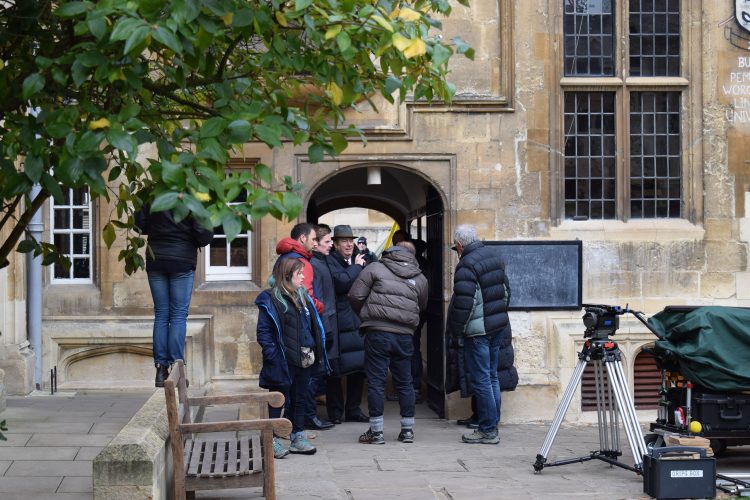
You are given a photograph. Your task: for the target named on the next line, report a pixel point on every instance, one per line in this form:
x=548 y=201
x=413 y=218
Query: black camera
x=601 y=321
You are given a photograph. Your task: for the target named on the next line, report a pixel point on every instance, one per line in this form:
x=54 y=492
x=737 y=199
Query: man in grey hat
x=345 y=265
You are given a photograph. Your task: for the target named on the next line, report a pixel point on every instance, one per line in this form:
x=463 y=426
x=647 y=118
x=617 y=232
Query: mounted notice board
x=543 y=274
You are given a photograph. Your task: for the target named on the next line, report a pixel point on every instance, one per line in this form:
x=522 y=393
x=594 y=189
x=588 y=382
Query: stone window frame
x=71 y=231
x=214 y=274
x=689 y=86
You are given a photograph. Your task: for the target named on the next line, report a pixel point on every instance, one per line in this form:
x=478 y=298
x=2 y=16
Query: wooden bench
x=235 y=462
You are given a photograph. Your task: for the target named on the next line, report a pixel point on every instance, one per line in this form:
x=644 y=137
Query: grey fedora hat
x=343 y=231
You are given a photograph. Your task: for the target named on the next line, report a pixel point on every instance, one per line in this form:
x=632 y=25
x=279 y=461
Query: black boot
x=162 y=372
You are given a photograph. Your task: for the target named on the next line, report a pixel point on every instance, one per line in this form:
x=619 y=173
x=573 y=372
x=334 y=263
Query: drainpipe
x=34 y=292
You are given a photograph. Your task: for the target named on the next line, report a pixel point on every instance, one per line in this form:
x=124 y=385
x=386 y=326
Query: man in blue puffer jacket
x=478 y=315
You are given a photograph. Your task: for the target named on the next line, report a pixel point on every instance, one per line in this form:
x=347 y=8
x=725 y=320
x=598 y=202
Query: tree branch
x=20 y=227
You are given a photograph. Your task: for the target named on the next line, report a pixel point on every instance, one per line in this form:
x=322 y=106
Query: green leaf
x=50 y=184
x=440 y=54
x=173 y=175
x=123 y=141
x=344 y=41
x=263 y=172
x=72 y=9
x=302 y=4
x=231 y=226
x=292 y=205
x=339 y=142
x=213 y=127
x=165 y=201
x=315 y=152
x=392 y=84
x=270 y=135
x=108 y=234
x=97 y=27
x=240 y=131
x=124 y=27
x=31 y=85
x=26 y=246
x=168 y=38
x=32 y=167
x=136 y=38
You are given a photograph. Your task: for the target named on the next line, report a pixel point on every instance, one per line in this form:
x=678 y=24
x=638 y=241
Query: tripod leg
x=627 y=411
x=560 y=414
x=601 y=406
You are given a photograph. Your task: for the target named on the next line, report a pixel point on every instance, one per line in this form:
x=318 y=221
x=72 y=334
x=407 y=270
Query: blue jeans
x=171 y=293
x=384 y=350
x=481 y=355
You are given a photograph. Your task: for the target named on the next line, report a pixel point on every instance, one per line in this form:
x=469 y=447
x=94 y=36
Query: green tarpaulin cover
x=712 y=345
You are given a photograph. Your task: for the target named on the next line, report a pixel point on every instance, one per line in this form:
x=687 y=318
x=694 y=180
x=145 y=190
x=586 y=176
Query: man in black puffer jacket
x=478 y=316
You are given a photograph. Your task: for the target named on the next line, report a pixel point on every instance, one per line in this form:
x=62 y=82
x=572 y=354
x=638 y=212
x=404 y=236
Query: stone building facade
x=619 y=123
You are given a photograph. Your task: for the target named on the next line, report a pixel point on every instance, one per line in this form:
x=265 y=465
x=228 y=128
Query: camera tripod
x=605 y=354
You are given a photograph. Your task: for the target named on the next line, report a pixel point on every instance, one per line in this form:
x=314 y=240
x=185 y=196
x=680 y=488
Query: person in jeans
x=170 y=265
x=292 y=340
x=388 y=296
x=478 y=315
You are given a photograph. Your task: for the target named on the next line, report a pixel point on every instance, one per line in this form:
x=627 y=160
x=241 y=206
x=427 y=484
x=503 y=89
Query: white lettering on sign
x=686 y=473
x=736 y=88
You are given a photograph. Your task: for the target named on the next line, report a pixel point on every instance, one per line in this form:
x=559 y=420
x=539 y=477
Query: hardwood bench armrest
x=275 y=399
x=280 y=426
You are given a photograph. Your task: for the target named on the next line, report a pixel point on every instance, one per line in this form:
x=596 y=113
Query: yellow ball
x=695 y=427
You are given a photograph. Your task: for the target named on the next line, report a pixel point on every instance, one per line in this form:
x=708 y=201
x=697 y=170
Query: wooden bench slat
x=233 y=466
x=257 y=454
x=195 y=448
x=245 y=453
x=220 y=461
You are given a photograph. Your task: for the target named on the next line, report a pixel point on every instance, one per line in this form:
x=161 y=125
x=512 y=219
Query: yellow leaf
x=394 y=13
x=335 y=92
x=400 y=41
x=202 y=196
x=281 y=18
x=333 y=31
x=382 y=22
x=228 y=18
x=100 y=123
x=417 y=48
x=409 y=15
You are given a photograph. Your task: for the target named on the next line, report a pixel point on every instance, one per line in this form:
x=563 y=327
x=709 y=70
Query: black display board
x=543 y=274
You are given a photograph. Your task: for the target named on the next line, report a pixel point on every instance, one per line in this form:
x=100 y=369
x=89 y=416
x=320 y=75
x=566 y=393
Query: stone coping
x=136 y=463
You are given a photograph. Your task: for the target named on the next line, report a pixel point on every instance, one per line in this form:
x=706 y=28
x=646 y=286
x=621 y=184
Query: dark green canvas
x=712 y=345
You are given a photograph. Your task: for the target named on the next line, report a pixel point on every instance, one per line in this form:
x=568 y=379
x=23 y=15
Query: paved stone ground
x=52 y=441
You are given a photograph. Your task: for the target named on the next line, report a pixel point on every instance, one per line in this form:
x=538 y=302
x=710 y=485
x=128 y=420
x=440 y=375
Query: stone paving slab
x=19 y=453
x=76 y=485
x=88 y=452
x=70 y=439
x=35 y=427
x=50 y=468
x=23 y=485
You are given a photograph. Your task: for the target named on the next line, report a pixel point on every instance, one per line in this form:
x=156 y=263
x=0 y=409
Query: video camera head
x=601 y=321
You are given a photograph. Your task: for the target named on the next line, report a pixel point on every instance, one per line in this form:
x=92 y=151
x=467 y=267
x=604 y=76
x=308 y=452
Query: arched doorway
x=416 y=204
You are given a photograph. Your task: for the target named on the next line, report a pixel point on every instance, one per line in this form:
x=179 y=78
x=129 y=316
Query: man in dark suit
x=349 y=359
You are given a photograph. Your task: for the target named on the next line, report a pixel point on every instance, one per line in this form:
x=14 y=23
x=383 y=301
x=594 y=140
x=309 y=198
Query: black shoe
x=371 y=437
x=162 y=373
x=334 y=420
x=406 y=436
x=317 y=424
x=361 y=417
x=472 y=422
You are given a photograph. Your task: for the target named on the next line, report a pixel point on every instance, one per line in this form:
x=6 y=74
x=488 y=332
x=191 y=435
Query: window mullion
x=623 y=154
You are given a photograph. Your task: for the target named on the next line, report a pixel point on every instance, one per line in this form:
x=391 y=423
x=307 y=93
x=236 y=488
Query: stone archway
x=407 y=192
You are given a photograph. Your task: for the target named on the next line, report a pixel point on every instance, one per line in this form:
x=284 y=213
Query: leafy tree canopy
x=85 y=84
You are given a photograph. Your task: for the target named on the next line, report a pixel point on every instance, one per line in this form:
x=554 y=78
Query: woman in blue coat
x=292 y=338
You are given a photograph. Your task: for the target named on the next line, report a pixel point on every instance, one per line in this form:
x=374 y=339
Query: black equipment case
x=674 y=472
